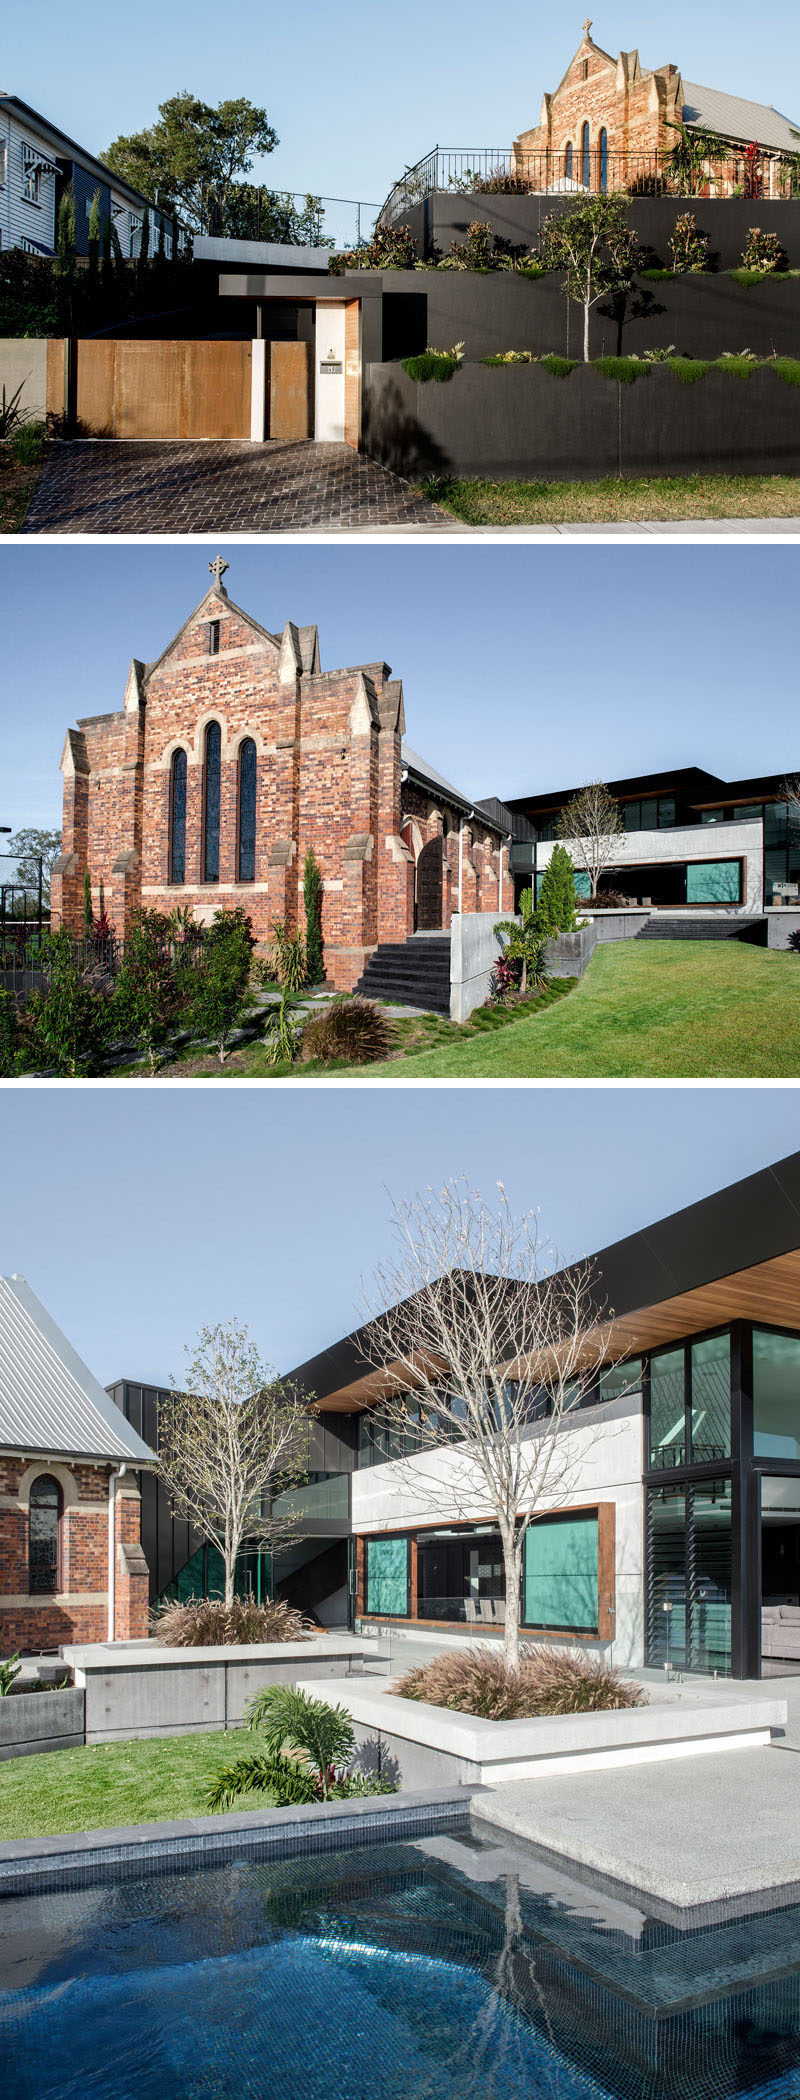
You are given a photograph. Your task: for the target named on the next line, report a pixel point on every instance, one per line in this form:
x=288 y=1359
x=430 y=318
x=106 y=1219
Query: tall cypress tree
x=556 y=907
x=312 y=895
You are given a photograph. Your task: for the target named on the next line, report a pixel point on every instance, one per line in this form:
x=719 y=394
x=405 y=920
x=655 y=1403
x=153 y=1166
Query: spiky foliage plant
x=546 y=1681
x=208 y=1622
x=356 y=1031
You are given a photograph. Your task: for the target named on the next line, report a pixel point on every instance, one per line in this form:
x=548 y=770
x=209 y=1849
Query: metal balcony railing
x=485 y=171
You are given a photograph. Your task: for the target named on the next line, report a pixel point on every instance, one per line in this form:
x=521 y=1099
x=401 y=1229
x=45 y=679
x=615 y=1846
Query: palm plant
x=304 y=1742
x=525 y=943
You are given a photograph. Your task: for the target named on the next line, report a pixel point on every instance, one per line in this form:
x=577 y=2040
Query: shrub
x=8 y=1035
x=762 y=251
x=558 y=367
x=64 y=1023
x=547 y=1682
x=8 y=1671
x=28 y=444
x=355 y=1030
x=391 y=248
x=305 y=1740
x=434 y=364
x=207 y=1622
x=626 y=369
x=282 y=1033
x=690 y=369
x=504 y=981
x=217 y=985
x=788 y=369
x=512 y=357
x=739 y=363
x=145 y=996
x=288 y=957
x=477 y=252
x=687 y=245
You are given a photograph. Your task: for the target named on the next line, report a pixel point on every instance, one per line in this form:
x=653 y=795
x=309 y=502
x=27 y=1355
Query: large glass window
x=247 y=811
x=776 y=1395
x=620 y=1378
x=667 y=1410
x=560 y=1583
x=43 y=1537
x=211 y=803
x=689 y=1576
x=781 y=854
x=711 y=1399
x=387 y=1577
x=461 y=1576
x=177 y=818
x=714 y=882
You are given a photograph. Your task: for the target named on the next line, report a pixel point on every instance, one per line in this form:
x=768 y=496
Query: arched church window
x=568 y=161
x=177 y=818
x=604 y=161
x=211 y=784
x=44 y=1536
x=586 y=169
x=247 y=811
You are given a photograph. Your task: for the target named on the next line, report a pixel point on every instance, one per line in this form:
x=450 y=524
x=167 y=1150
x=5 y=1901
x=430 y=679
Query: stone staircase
x=415 y=972
x=686 y=928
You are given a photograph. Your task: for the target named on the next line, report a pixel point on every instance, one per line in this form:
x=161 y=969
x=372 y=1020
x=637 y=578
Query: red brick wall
x=329 y=779
x=79 y=1609
x=633 y=105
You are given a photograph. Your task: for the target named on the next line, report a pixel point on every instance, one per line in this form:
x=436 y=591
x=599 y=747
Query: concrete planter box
x=570 y=954
x=473 y=954
x=141 y=1689
x=33 y=1721
x=517 y=421
x=431 y=1746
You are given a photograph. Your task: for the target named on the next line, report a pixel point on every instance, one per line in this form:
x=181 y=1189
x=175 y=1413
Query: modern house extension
x=679 y=1541
x=692 y=844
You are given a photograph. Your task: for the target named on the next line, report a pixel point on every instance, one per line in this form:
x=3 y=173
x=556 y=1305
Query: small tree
x=486 y=1350
x=146 y=992
x=64 y=1020
x=232 y=1442
x=524 y=942
x=556 y=907
x=312 y=899
x=218 y=989
x=88 y=914
x=592 y=827
x=596 y=249
x=94 y=234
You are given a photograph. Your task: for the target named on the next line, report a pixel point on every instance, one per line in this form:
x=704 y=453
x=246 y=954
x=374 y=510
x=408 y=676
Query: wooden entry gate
x=127 y=388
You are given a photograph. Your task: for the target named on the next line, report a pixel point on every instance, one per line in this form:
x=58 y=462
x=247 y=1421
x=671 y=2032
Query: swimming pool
x=449 y=1966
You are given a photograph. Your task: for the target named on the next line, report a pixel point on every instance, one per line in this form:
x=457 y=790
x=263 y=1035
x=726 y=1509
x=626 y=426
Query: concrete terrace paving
x=111 y=486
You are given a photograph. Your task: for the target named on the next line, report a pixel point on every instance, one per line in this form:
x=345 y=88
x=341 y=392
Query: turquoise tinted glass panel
x=667 y=1419
x=561 y=1572
x=711 y=1399
x=714 y=882
x=583 y=886
x=387 y=1577
x=776 y=1395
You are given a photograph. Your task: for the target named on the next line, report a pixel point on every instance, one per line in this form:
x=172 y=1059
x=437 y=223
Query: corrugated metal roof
x=49 y=1400
x=736 y=118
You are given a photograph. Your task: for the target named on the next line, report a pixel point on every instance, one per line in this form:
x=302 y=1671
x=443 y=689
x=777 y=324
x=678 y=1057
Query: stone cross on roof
x=587 y=26
x=218 y=569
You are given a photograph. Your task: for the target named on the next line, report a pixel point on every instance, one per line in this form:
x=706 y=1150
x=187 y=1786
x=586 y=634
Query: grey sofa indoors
x=780 y=1631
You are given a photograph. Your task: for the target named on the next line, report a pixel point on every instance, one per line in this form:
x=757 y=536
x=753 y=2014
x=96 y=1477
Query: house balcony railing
x=477 y=171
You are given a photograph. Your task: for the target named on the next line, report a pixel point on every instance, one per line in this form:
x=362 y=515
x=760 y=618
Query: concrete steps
x=685 y=928
x=415 y=972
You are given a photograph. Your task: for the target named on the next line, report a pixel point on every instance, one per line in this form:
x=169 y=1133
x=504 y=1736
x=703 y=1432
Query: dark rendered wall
x=443 y=218
x=522 y=422
x=701 y=316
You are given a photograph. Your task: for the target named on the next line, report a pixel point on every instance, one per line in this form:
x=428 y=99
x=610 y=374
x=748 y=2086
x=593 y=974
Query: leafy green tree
x=595 y=248
x=194 y=155
x=556 y=906
x=255 y=213
x=219 y=996
x=65 y=1020
x=145 y=995
x=312 y=900
x=27 y=848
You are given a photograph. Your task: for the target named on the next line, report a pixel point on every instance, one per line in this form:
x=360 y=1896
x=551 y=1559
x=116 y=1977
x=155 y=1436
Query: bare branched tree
x=790 y=794
x=591 y=826
x=236 y=1438
x=486 y=1349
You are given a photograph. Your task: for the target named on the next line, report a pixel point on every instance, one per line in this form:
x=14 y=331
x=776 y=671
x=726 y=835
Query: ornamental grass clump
x=207 y=1622
x=547 y=1681
x=350 y=1031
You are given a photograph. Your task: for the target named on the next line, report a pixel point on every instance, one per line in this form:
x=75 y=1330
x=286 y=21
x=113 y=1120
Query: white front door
x=329 y=410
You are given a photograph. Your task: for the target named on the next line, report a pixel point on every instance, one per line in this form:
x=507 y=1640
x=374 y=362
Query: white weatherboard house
x=38 y=162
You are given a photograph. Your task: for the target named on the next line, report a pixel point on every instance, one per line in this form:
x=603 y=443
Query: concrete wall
x=23 y=359
x=138 y=1689
x=570 y=954
x=519 y=421
x=600 y=1460
x=34 y=1721
x=474 y=950
x=780 y=927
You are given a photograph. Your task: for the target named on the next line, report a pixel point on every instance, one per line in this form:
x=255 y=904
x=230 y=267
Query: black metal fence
x=26 y=964
x=502 y=170
x=23 y=903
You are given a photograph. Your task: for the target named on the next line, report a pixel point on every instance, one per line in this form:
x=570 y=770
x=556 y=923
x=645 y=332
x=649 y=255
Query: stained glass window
x=211 y=804
x=585 y=158
x=177 y=854
x=247 y=811
x=568 y=162
x=604 y=161
x=45 y=1513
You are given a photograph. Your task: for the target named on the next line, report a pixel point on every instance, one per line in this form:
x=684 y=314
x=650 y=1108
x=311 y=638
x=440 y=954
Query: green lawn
x=156 y=1780
x=645 y=1009
x=612 y=501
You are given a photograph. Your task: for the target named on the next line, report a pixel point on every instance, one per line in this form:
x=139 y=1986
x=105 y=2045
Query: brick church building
x=611 y=122
x=232 y=755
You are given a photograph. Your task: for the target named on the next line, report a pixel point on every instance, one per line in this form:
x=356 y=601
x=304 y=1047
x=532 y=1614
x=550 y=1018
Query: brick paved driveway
x=111 y=486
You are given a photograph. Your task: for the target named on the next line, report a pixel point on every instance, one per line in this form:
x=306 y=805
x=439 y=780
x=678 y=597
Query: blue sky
x=524 y=667
x=358 y=90
x=140 y=1213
